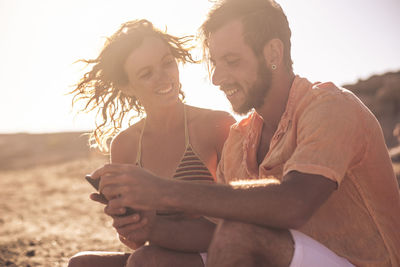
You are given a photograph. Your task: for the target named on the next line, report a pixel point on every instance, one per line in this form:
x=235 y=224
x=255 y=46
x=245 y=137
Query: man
x=305 y=179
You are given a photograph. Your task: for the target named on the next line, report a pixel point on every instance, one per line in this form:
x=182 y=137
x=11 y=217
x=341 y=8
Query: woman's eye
x=145 y=75
x=169 y=62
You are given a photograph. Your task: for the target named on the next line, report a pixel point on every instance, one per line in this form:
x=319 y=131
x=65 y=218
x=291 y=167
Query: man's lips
x=230 y=90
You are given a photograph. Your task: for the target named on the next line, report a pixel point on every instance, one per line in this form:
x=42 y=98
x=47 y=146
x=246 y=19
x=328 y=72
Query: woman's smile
x=165 y=90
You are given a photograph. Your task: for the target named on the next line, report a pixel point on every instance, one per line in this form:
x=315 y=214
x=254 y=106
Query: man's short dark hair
x=263 y=20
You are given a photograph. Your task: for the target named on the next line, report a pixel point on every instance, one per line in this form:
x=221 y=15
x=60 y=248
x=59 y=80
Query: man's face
x=242 y=76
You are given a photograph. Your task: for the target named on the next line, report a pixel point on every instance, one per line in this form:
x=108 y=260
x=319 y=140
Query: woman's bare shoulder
x=211 y=116
x=212 y=125
x=128 y=134
x=125 y=144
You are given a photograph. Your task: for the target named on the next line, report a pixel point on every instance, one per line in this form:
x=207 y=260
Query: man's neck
x=276 y=99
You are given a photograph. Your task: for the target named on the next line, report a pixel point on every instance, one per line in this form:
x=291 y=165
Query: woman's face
x=153 y=74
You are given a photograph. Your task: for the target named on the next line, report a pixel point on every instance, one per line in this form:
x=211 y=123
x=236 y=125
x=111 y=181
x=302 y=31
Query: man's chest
x=253 y=158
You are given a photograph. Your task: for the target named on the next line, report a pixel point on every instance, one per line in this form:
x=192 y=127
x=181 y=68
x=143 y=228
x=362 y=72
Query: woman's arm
x=183 y=234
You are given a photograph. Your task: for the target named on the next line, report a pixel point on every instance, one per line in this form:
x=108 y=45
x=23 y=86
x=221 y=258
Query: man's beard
x=256 y=94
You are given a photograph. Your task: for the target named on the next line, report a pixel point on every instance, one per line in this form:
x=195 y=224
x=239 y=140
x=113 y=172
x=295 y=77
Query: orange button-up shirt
x=328 y=131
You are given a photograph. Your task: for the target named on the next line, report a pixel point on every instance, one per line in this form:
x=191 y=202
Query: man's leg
x=153 y=256
x=240 y=244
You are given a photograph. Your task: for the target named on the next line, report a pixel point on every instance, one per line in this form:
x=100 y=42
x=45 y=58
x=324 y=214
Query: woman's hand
x=98 y=198
x=130 y=244
x=134 y=230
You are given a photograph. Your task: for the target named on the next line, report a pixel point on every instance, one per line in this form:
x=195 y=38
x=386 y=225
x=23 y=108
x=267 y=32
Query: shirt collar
x=297 y=90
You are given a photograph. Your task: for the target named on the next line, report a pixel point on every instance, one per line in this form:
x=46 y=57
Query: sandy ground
x=46 y=215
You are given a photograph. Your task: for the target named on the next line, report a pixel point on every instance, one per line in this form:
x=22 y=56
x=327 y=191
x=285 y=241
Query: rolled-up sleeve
x=329 y=137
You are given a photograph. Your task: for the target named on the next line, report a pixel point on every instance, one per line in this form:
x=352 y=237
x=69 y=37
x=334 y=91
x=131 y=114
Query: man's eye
x=232 y=61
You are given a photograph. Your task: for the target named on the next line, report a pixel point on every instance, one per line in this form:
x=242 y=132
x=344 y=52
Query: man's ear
x=273 y=53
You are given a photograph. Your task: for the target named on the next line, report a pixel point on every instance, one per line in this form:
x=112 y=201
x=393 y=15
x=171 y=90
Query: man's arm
x=285 y=205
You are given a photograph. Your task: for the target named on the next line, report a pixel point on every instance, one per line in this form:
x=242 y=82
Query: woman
x=137 y=72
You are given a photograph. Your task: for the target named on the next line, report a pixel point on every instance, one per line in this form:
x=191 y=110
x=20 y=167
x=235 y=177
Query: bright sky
x=341 y=41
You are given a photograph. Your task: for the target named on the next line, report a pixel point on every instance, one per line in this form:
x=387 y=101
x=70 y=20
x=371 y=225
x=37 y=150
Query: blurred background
x=341 y=41
x=45 y=216
x=352 y=43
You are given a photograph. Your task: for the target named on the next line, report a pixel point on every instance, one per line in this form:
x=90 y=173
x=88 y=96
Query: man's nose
x=218 y=76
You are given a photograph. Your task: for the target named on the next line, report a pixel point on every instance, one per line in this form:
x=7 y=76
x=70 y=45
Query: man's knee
x=228 y=233
x=258 y=244
x=249 y=234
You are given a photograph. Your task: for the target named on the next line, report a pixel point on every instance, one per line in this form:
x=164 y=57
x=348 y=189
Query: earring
x=273 y=67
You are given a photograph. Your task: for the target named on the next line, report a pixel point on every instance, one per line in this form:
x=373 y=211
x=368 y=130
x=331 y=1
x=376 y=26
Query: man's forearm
x=187 y=235
x=224 y=201
x=281 y=205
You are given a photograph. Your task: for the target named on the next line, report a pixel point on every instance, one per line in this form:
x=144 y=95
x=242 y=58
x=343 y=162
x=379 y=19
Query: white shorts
x=204 y=257
x=310 y=253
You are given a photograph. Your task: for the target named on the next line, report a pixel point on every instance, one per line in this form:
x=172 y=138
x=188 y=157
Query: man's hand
x=126 y=185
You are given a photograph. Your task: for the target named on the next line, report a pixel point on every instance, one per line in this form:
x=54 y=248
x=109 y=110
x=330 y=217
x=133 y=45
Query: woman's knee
x=153 y=256
x=98 y=259
x=143 y=256
x=80 y=259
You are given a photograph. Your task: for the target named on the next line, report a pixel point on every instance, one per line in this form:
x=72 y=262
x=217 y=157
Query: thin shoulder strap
x=187 y=141
x=139 y=150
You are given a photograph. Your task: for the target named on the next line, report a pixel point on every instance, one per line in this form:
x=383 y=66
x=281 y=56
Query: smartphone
x=95 y=183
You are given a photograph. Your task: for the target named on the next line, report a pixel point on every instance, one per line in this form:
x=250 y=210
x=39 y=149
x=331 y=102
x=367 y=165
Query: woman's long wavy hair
x=100 y=88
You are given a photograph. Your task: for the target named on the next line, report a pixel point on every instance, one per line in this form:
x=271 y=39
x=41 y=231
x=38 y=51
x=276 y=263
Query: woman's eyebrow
x=167 y=54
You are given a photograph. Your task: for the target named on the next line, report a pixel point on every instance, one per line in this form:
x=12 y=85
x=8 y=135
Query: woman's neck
x=165 y=119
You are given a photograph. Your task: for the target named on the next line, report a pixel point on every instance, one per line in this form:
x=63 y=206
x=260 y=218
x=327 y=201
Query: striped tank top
x=190 y=167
